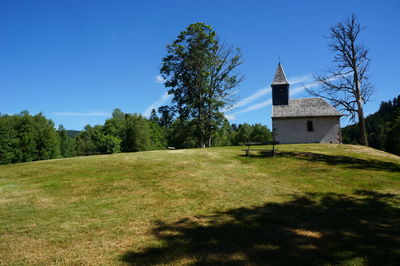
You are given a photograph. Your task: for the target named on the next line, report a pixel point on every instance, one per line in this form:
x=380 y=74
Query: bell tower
x=280 y=87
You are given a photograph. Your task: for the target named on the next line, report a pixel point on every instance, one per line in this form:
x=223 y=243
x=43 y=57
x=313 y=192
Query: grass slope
x=312 y=204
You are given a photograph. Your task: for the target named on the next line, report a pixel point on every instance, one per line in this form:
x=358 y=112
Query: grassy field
x=311 y=204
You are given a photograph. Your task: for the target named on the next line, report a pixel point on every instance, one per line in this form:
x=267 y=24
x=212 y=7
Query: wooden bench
x=248 y=144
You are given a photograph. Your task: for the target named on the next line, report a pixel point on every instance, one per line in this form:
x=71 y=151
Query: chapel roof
x=306 y=107
x=280 y=77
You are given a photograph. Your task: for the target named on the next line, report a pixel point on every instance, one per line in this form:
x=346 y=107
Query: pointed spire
x=280 y=77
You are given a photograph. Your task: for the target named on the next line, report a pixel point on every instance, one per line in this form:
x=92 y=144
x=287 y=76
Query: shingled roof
x=280 y=77
x=306 y=107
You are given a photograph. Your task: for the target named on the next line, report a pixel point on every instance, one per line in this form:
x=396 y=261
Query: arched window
x=310 y=126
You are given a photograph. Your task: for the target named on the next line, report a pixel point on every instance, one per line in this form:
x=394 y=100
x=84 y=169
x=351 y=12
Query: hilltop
x=311 y=204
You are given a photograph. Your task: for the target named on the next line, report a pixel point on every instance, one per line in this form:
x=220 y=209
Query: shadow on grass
x=340 y=160
x=312 y=229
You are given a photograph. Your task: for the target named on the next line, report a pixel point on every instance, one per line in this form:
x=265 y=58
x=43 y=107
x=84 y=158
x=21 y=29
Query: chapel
x=307 y=120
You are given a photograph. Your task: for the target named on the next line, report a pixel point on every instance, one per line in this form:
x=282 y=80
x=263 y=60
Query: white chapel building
x=307 y=120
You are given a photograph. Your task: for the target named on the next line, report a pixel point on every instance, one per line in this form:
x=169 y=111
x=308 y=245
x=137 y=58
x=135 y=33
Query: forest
x=25 y=137
x=383 y=128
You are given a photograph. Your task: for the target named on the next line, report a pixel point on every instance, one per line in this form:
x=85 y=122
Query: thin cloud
x=255 y=106
x=301 y=88
x=299 y=79
x=251 y=98
x=264 y=91
x=163 y=98
x=256 y=95
x=249 y=109
x=230 y=117
x=246 y=101
x=159 y=79
x=81 y=114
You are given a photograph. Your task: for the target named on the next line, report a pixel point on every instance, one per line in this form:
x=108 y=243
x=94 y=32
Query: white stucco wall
x=294 y=130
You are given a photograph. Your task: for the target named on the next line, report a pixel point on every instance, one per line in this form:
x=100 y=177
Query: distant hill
x=312 y=204
x=379 y=126
x=72 y=133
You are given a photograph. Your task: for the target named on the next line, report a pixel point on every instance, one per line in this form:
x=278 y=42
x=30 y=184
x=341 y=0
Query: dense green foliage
x=93 y=141
x=25 y=138
x=67 y=144
x=200 y=74
x=248 y=133
x=383 y=128
x=72 y=133
x=182 y=133
x=122 y=132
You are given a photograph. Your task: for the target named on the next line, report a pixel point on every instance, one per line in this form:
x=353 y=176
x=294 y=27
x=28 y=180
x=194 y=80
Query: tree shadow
x=311 y=229
x=340 y=160
x=258 y=154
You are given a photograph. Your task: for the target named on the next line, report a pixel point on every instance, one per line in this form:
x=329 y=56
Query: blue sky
x=76 y=61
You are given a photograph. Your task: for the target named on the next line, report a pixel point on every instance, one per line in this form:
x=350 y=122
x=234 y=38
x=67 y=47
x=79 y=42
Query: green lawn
x=311 y=204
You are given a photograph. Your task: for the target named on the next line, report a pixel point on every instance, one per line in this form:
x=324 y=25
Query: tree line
x=200 y=73
x=383 y=128
x=25 y=137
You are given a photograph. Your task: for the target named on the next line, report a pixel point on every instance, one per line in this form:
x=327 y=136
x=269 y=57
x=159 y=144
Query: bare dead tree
x=347 y=87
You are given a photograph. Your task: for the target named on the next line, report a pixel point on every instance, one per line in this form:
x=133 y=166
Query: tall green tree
x=8 y=140
x=88 y=142
x=393 y=137
x=25 y=138
x=153 y=116
x=260 y=133
x=67 y=147
x=222 y=137
x=182 y=134
x=109 y=144
x=249 y=133
x=243 y=134
x=47 y=140
x=136 y=133
x=115 y=125
x=378 y=126
x=166 y=116
x=200 y=73
x=158 y=139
